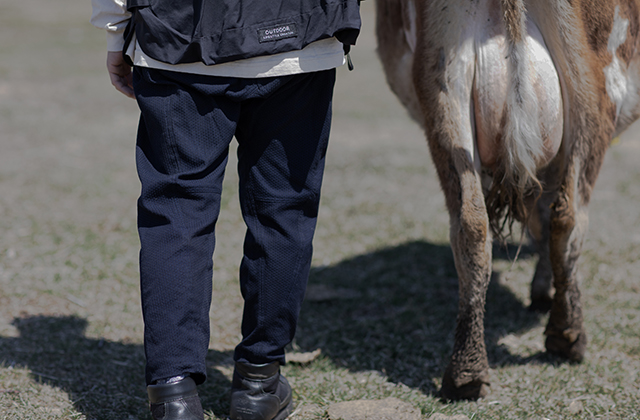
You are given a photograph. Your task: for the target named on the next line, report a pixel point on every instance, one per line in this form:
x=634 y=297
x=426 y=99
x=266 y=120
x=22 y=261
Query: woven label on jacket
x=275 y=33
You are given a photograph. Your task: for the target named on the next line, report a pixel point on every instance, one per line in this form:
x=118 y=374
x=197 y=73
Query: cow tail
x=515 y=178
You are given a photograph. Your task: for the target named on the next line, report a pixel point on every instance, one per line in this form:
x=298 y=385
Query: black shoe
x=259 y=392
x=175 y=401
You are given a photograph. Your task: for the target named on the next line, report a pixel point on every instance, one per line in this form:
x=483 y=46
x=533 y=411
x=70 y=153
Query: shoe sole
x=285 y=412
x=282 y=414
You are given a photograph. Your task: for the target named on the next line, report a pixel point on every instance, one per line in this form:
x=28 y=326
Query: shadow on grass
x=395 y=310
x=392 y=311
x=104 y=379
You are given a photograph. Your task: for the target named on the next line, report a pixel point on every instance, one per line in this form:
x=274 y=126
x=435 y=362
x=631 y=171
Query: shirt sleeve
x=111 y=15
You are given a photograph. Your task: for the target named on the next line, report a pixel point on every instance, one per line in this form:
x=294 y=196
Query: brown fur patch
x=514 y=19
x=629 y=10
x=598 y=25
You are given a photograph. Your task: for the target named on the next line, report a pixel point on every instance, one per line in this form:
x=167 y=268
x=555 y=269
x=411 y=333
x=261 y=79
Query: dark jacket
x=219 y=31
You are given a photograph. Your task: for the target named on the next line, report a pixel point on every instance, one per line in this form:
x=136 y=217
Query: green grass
x=383 y=291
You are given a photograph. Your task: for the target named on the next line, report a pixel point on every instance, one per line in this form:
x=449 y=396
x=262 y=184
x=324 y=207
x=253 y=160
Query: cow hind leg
x=568 y=221
x=539 y=229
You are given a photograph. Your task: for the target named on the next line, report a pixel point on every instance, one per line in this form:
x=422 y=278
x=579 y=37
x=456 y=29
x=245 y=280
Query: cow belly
x=491 y=90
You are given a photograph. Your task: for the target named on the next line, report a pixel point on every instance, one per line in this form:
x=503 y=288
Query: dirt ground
x=382 y=299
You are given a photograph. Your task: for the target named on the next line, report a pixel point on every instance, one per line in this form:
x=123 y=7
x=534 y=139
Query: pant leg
x=182 y=150
x=282 y=138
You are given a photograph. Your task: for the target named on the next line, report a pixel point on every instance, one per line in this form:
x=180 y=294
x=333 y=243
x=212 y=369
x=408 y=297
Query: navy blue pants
x=187 y=123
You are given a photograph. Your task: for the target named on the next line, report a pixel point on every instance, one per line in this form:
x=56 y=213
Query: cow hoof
x=473 y=390
x=571 y=346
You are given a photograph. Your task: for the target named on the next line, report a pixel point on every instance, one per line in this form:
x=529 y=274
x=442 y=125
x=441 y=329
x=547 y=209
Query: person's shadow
x=394 y=311
x=104 y=379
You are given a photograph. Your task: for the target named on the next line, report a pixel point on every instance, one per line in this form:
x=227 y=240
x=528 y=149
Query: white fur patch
x=409 y=16
x=616 y=79
x=461 y=73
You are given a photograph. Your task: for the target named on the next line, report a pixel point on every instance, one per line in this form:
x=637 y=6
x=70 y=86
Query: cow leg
x=443 y=76
x=568 y=221
x=539 y=229
x=467 y=375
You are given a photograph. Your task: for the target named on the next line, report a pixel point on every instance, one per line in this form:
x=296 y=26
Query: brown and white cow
x=519 y=100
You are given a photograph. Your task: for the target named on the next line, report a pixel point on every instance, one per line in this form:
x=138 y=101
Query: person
x=203 y=72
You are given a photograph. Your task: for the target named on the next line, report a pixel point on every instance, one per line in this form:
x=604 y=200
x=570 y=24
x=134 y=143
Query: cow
x=519 y=101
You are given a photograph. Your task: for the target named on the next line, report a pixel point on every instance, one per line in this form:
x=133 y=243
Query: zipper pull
x=349 y=62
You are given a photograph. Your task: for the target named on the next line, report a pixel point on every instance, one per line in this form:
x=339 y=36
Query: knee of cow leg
x=563 y=219
x=473 y=223
x=474 y=228
x=471 y=245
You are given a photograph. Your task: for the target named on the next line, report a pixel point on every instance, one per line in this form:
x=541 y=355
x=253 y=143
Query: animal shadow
x=394 y=311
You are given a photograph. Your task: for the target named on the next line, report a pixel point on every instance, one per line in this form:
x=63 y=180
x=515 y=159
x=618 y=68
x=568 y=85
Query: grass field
x=383 y=291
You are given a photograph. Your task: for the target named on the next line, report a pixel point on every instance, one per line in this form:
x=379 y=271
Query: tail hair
x=516 y=178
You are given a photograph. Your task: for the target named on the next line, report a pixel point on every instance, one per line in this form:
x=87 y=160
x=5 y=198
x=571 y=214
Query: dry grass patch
x=70 y=323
